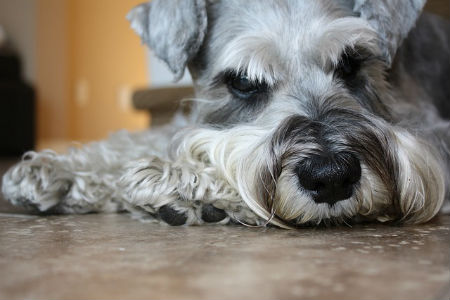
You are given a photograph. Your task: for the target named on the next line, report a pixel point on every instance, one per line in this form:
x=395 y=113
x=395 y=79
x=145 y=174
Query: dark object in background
x=16 y=107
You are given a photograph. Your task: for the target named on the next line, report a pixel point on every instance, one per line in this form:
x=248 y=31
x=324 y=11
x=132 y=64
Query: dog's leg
x=83 y=180
x=50 y=182
x=181 y=194
x=126 y=172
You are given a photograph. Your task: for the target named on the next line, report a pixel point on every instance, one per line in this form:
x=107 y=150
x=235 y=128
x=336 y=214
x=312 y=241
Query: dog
x=305 y=113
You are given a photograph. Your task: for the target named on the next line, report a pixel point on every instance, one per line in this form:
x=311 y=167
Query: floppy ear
x=174 y=29
x=392 y=19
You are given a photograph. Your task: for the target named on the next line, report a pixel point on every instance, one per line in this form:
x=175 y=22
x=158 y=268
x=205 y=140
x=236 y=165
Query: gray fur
x=320 y=81
x=426 y=64
x=174 y=29
x=391 y=19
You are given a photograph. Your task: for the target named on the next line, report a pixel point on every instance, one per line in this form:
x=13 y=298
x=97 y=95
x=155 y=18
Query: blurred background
x=69 y=69
x=79 y=64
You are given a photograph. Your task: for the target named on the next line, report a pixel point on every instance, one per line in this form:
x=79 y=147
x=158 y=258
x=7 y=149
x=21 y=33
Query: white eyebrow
x=342 y=33
x=253 y=55
x=256 y=54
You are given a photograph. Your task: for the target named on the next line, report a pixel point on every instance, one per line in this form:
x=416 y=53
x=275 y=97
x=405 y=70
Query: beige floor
x=116 y=257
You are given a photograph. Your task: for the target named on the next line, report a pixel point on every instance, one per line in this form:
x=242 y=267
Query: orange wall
x=108 y=57
x=52 y=72
x=89 y=62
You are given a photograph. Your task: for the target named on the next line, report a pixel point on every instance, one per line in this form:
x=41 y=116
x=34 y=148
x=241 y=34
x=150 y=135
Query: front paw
x=212 y=214
x=174 y=217
x=176 y=195
x=171 y=216
x=36 y=182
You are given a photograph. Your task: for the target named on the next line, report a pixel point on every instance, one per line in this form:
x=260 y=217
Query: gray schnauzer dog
x=306 y=112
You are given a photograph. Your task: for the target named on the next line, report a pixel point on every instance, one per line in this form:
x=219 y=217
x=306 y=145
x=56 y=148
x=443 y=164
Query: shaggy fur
x=291 y=95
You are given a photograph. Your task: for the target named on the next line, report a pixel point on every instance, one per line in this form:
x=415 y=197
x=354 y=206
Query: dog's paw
x=177 y=195
x=208 y=214
x=180 y=213
x=171 y=216
x=148 y=184
x=36 y=182
x=212 y=214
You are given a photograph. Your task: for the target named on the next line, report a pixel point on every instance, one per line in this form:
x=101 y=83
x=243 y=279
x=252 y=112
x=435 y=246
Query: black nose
x=329 y=178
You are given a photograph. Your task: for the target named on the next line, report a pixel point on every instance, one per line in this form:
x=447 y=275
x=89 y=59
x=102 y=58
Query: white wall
x=18 y=18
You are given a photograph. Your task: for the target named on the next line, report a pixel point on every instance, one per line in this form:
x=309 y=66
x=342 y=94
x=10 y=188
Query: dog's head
x=297 y=114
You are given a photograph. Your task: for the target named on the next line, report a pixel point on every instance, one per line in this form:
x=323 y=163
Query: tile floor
x=116 y=257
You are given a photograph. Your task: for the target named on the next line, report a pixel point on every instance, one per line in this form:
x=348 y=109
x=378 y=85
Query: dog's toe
x=171 y=216
x=212 y=214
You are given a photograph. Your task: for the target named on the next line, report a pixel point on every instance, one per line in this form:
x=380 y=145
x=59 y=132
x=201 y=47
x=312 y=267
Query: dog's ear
x=174 y=29
x=392 y=19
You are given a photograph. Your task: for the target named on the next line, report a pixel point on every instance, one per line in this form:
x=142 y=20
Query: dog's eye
x=241 y=86
x=349 y=66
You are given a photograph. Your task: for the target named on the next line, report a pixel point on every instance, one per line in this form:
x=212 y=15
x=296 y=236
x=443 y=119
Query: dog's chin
x=294 y=206
x=313 y=213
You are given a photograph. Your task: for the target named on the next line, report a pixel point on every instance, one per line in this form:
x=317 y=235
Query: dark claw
x=212 y=214
x=171 y=216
